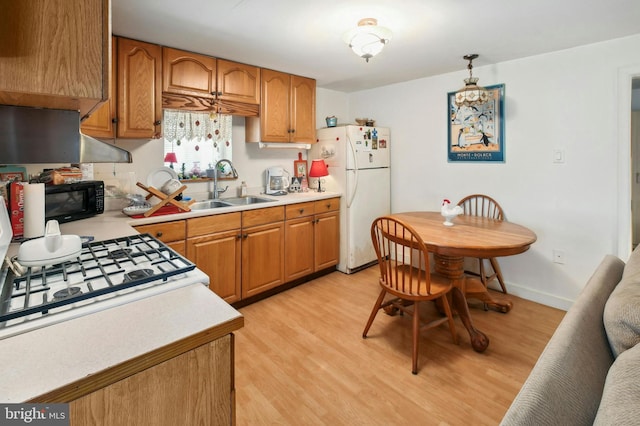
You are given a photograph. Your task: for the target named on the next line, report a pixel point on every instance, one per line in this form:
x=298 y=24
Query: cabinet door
x=274 y=109
x=238 y=82
x=186 y=73
x=298 y=234
x=327 y=240
x=262 y=258
x=218 y=256
x=101 y=123
x=303 y=109
x=54 y=53
x=139 y=89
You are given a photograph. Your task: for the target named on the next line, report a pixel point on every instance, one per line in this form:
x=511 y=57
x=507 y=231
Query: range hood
x=36 y=135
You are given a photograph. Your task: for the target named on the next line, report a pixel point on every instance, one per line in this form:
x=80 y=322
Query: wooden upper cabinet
x=274 y=110
x=238 y=82
x=139 y=89
x=187 y=73
x=55 y=53
x=102 y=122
x=303 y=109
x=287 y=109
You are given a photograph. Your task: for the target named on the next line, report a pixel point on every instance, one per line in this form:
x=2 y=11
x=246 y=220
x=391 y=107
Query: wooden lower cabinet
x=262 y=258
x=214 y=244
x=262 y=250
x=246 y=253
x=312 y=238
x=171 y=233
x=326 y=238
x=196 y=387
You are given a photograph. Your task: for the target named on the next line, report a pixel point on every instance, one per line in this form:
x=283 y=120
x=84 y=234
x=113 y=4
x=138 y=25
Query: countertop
x=60 y=355
x=291 y=198
x=71 y=354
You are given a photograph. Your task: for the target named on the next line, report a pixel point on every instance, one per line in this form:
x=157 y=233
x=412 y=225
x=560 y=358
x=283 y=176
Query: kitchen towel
x=33 y=210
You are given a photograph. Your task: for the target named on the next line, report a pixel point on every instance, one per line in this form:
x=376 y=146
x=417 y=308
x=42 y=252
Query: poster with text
x=476 y=132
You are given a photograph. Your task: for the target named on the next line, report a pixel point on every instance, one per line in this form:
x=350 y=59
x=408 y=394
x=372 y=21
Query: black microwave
x=73 y=201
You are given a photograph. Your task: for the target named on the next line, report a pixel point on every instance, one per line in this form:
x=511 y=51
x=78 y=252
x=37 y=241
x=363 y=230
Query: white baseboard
x=535 y=295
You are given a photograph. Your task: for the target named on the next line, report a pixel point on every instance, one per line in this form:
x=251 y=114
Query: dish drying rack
x=165 y=199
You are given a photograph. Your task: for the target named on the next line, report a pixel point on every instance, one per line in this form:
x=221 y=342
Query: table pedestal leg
x=453 y=268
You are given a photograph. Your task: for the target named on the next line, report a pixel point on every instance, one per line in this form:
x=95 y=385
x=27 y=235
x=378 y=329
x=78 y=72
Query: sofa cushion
x=619 y=404
x=621 y=314
x=565 y=386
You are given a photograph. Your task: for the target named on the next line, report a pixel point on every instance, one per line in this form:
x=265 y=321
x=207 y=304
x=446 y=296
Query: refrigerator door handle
x=355 y=172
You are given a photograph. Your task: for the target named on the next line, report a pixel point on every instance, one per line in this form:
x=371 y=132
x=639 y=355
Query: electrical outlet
x=558 y=256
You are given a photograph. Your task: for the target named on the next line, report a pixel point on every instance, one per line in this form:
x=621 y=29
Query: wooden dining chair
x=485 y=206
x=404 y=273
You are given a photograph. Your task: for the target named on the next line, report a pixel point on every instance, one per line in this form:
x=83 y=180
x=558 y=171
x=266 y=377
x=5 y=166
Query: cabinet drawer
x=211 y=224
x=165 y=232
x=328 y=205
x=294 y=211
x=262 y=216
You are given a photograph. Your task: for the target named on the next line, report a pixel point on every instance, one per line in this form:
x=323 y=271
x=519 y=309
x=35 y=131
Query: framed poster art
x=476 y=133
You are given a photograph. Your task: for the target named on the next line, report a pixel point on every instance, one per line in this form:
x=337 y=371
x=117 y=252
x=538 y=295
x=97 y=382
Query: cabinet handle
x=301 y=211
x=238 y=236
x=245 y=235
x=328 y=206
x=157 y=123
x=219 y=93
x=158 y=234
x=293 y=130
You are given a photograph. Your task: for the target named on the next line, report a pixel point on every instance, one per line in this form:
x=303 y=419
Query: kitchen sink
x=209 y=204
x=244 y=201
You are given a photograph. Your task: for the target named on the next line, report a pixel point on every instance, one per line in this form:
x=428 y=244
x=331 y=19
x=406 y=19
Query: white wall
x=565 y=100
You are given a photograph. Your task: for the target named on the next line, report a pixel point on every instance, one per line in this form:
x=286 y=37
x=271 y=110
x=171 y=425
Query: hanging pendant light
x=471 y=93
x=367 y=39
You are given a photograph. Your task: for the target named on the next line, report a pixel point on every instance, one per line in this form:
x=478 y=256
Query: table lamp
x=170 y=157
x=318 y=170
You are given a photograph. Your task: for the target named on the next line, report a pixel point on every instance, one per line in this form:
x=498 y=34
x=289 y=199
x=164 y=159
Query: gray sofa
x=589 y=372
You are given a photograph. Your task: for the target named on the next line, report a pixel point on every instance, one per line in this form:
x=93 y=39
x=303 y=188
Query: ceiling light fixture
x=367 y=39
x=471 y=93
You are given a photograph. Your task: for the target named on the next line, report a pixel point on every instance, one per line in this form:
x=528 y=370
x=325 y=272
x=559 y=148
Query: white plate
x=158 y=177
x=133 y=210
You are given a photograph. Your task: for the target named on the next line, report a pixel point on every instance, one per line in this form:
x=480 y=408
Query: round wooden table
x=470 y=236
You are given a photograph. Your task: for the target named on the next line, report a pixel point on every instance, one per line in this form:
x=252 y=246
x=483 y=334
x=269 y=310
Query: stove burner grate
x=93 y=267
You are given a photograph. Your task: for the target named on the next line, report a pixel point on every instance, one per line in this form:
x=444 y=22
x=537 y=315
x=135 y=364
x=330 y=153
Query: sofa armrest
x=565 y=385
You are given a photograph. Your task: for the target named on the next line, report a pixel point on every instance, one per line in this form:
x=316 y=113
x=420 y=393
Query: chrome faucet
x=216 y=190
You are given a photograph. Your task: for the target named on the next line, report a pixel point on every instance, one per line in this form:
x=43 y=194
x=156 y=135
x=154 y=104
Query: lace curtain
x=199 y=139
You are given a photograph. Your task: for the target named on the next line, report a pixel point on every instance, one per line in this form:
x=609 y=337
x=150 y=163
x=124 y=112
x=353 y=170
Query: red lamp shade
x=170 y=157
x=318 y=170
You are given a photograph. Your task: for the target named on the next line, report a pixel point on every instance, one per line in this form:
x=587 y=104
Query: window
x=198 y=139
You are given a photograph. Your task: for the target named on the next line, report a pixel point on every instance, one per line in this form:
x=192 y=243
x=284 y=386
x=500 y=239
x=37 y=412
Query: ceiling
x=429 y=36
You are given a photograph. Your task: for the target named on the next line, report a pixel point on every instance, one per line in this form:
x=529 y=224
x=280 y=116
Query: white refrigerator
x=358 y=162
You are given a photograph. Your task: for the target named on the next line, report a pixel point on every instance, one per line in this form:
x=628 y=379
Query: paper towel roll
x=33 y=210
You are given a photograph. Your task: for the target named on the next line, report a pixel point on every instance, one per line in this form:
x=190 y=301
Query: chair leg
x=496 y=268
x=374 y=312
x=447 y=311
x=483 y=275
x=416 y=334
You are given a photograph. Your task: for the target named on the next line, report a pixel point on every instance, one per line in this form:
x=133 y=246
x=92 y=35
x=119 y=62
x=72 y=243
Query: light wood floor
x=301 y=360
